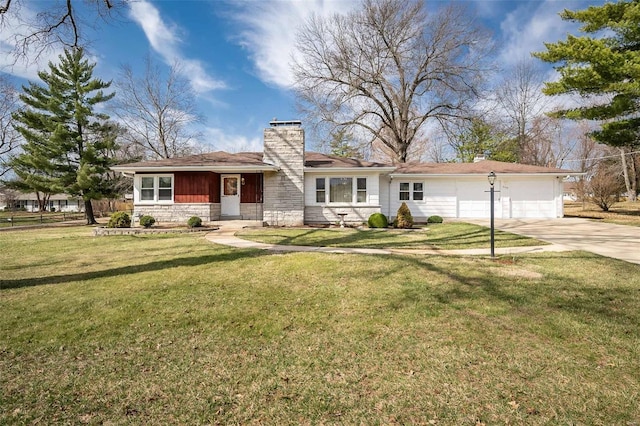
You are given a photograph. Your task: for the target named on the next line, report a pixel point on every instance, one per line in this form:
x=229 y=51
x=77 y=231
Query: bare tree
x=389 y=68
x=606 y=185
x=62 y=23
x=158 y=111
x=9 y=137
x=519 y=97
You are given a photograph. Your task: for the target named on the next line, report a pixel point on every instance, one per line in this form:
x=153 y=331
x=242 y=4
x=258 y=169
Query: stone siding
x=251 y=211
x=178 y=212
x=284 y=190
x=324 y=214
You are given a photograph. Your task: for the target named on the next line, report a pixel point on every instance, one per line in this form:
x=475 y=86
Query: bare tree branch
x=61 y=24
x=9 y=137
x=157 y=111
x=389 y=68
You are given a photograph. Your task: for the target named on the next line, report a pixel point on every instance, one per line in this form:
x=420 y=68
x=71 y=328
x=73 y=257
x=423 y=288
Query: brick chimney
x=283 y=203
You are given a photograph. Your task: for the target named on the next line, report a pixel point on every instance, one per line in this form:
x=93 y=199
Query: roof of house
x=253 y=161
x=319 y=160
x=482 y=167
x=218 y=158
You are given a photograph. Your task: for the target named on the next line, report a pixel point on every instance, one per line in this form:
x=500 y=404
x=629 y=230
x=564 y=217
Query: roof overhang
x=482 y=175
x=222 y=169
x=348 y=169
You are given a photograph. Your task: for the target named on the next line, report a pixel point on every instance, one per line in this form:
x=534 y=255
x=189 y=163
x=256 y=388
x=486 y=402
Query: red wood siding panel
x=214 y=189
x=193 y=187
x=251 y=191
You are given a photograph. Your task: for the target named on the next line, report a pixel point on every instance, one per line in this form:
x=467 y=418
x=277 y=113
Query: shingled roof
x=481 y=168
x=319 y=160
x=314 y=160
x=209 y=161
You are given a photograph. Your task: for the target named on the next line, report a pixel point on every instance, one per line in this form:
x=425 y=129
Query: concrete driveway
x=617 y=241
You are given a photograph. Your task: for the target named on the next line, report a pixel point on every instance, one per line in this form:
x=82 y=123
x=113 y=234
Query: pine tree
x=603 y=67
x=67 y=141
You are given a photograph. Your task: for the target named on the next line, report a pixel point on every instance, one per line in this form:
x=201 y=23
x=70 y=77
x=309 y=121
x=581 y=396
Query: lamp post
x=492 y=180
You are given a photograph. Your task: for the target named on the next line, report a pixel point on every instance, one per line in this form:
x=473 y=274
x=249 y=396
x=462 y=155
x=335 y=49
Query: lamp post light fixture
x=492 y=180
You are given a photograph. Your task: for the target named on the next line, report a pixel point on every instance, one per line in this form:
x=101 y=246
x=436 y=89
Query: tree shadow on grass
x=227 y=256
x=614 y=304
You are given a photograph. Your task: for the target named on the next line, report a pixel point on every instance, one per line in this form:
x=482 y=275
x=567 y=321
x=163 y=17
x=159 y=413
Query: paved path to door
x=606 y=239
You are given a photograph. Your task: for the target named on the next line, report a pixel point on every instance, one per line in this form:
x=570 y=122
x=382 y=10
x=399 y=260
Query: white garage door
x=532 y=199
x=440 y=198
x=473 y=199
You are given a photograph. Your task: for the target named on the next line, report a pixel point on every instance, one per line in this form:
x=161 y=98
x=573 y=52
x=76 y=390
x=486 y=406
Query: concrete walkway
x=606 y=239
x=226 y=236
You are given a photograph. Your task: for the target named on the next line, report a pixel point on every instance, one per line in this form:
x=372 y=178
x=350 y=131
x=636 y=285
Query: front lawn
x=453 y=235
x=171 y=329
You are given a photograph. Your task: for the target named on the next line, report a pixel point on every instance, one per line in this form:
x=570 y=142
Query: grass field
x=170 y=329
x=624 y=212
x=452 y=235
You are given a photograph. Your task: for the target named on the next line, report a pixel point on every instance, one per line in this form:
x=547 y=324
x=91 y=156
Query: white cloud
x=164 y=39
x=215 y=139
x=525 y=30
x=13 y=29
x=270 y=31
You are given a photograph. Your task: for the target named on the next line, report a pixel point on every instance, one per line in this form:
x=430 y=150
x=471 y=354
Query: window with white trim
x=361 y=196
x=321 y=192
x=411 y=191
x=418 y=191
x=156 y=188
x=404 y=191
x=341 y=190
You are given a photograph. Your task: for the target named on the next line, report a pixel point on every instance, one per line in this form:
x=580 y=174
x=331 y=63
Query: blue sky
x=235 y=53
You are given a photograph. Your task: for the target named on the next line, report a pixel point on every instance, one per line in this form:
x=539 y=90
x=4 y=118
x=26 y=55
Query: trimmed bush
x=378 y=220
x=147 y=221
x=434 y=219
x=194 y=222
x=404 y=219
x=119 y=220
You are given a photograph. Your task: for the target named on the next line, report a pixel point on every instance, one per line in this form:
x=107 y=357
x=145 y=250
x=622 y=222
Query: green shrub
x=119 y=220
x=434 y=219
x=194 y=222
x=147 y=221
x=403 y=217
x=378 y=220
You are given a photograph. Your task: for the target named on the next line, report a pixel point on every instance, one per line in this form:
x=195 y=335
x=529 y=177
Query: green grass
x=171 y=329
x=454 y=235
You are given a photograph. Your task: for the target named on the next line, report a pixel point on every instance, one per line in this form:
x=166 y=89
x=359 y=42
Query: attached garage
x=461 y=190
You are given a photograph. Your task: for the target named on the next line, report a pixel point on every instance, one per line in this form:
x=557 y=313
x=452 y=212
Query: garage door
x=532 y=199
x=440 y=198
x=473 y=199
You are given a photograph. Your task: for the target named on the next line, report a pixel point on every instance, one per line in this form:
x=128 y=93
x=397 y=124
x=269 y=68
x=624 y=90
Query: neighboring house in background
x=570 y=191
x=29 y=202
x=287 y=186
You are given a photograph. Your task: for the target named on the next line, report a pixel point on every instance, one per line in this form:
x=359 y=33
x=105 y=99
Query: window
x=320 y=191
x=411 y=191
x=165 y=188
x=418 y=192
x=341 y=190
x=404 y=191
x=362 y=190
x=146 y=189
x=156 y=188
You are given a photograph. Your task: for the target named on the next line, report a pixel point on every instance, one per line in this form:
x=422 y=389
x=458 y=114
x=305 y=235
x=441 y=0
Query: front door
x=230 y=198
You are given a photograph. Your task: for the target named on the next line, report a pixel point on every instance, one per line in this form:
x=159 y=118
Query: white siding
x=533 y=198
x=459 y=197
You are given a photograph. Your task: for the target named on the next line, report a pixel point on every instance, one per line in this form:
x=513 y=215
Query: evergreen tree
x=603 y=67
x=342 y=144
x=67 y=141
